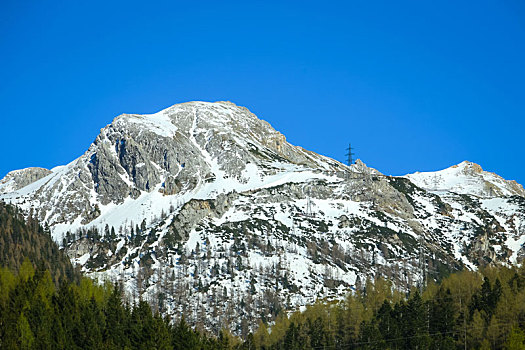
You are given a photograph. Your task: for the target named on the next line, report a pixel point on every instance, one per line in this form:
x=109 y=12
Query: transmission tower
x=350 y=154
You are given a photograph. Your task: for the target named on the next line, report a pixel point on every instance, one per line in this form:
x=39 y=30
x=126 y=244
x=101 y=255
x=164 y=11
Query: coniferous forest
x=22 y=239
x=466 y=310
x=34 y=314
x=46 y=304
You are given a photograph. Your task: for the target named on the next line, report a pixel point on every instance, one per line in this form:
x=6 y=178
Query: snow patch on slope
x=466 y=178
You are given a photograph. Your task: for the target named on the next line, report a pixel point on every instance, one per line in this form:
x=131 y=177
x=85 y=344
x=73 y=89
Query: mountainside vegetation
x=466 y=310
x=22 y=239
x=34 y=314
x=46 y=303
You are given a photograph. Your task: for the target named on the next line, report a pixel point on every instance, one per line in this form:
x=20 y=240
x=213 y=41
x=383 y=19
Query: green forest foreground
x=467 y=310
x=34 y=314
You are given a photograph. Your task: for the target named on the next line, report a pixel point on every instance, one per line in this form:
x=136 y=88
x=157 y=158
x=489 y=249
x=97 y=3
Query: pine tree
x=25 y=335
x=183 y=337
x=116 y=319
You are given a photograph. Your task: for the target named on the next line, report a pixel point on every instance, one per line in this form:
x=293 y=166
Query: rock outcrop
x=18 y=179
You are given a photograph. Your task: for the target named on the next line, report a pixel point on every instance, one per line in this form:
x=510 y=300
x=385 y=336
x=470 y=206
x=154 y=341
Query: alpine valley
x=206 y=210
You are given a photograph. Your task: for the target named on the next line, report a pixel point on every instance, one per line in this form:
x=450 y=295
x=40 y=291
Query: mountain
x=17 y=179
x=208 y=210
x=467 y=178
x=189 y=150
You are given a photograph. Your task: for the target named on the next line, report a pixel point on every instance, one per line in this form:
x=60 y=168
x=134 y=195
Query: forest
x=35 y=314
x=466 y=310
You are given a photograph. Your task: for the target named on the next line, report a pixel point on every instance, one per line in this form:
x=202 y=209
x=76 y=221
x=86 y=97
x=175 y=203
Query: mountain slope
x=22 y=239
x=195 y=148
x=467 y=178
x=204 y=207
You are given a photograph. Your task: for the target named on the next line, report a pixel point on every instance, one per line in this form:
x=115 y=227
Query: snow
x=160 y=123
x=120 y=244
x=7 y=185
x=464 y=178
x=82 y=260
x=193 y=239
x=504 y=212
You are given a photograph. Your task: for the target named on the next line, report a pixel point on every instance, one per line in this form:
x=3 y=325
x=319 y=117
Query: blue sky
x=412 y=85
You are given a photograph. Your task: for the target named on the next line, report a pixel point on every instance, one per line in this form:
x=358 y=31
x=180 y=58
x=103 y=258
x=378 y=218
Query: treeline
x=34 y=314
x=467 y=310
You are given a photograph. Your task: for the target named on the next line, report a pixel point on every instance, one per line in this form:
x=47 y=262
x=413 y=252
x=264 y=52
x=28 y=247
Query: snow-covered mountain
x=467 y=178
x=191 y=150
x=207 y=209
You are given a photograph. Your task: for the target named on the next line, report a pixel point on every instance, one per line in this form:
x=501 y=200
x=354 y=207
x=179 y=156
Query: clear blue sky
x=418 y=85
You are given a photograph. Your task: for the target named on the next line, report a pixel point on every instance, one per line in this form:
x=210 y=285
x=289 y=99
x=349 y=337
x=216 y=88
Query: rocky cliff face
x=205 y=208
x=18 y=179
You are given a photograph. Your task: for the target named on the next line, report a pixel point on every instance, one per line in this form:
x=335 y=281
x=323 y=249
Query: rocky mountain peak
x=468 y=167
x=18 y=179
x=189 y=149
x=467 y=178
x=360 y=167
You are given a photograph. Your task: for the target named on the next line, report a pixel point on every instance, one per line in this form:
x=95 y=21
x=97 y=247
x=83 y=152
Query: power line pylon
x=350 y=154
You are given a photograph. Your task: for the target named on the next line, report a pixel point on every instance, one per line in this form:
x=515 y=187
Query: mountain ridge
x=462 y=178
x=208 y=206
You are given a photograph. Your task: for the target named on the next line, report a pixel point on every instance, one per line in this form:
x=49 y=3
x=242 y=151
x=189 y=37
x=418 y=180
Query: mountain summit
x=205 y=207
x=467 y=178
x=193 y=149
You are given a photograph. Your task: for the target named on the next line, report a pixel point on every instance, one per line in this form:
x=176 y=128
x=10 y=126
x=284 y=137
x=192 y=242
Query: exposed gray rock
x=18 y=179
x=193 y=212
